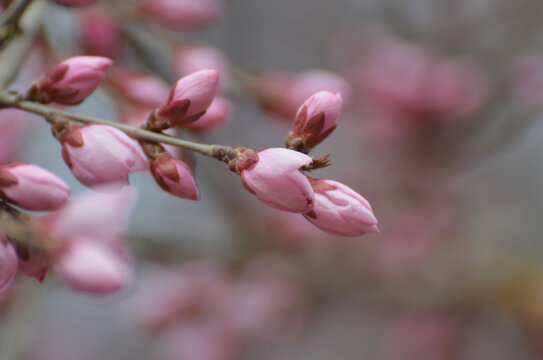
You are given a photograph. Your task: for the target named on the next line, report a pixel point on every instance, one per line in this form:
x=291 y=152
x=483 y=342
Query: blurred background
x=439 y=132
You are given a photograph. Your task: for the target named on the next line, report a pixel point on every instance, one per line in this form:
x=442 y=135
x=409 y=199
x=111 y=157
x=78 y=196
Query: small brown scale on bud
x=238 y=159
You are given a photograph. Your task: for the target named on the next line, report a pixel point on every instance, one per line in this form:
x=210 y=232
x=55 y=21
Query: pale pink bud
x=8 y=262
x=75 y=3
x=71 y=81
x=174 y=177
x=100 y=35
x=96 y=215
x=99 y=154
x=217 y=115
x=190 y=97
x=32 y=188
x=340 y=210
x=91 y=266
x=191 y=58
x=142 y=88
x=276 y=180
x=183 y=14
x=316 y=119
x=528 y=79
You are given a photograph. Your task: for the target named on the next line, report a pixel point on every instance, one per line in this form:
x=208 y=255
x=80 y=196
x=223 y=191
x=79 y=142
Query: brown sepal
x=166 y=166
x=64 y=95
x=190 y=119
x=314 y=141
x=320 y=186
x=66 y=157
x=315 y=125
x=174 y=111
x=318 y=164
x=7 y=179
x=55 y=75
x=73 y=137
x=312 y=214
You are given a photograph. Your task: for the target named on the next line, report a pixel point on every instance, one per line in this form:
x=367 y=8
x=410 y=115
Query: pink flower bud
x=316 y=119
x=174 y=177
x=71 y=81
x=191 y=58
x=99 y=154
x=340 y=210
x=190 y=97
x=31 y=187
x=8 y=262
x=276 y=180
x=183 y=14
x=142 y=88
x=75 y=3
x=100 y=35
x=91 y=266
x=216 y=116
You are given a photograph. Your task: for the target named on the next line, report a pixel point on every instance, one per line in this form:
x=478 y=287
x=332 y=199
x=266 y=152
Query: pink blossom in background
x=183 y=14
x=316 y=119
x=99 y=154
x=340 y=210
x=190 y=97
x=217 y=115
x=190 y=58
x=12 y=126
x=276 y=180
x=75 y=3
x=174 y=177
x=32 y=187
x=89 y=265
x=528 y=79
x=100 y=35
x=144 y=89
x=8 y=262
x=71 y=81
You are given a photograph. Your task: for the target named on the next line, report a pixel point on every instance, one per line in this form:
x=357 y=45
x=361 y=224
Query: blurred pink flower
x=276 y=180
x=142 y=88
x=183 y=14
x=75 y=3
x=100 y=35
x=8 y=262
x=217 y=115
x=32 y=187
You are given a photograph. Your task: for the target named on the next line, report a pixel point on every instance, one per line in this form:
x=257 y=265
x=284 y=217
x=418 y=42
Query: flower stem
x=10 y=100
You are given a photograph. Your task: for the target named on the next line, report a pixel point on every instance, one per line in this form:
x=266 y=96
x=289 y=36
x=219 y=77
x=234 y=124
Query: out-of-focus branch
x=13 y=53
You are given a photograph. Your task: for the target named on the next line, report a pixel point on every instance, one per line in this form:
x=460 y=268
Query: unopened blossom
x=276 y=180
x=316 y=119
x=75 y=3
x=92 y=266
x=144 y=89
x=99 y=154
x=32 y=187
x=71 y=81
x=217 y=115
x=183 y=14
x=100 y=35
x=8 y=262
x=190 y=58
x=340 y=210
x=189 y=98
x=174 y=177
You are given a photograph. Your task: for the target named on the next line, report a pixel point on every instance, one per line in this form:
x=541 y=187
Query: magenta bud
x=340 y=210
x=142 y=88
x=315 y=121
x=217 y=115
x=190 y=97
x=183 y=14
x=71 y=81
x=91 y=266
x=99 y=35
x=75 y=3
x=174 y=177
x=99 y=154
x=8 y=262
x=276 y=180
x=32 y=187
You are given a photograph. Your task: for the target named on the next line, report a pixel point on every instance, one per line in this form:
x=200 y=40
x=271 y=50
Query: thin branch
x=10 y=100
